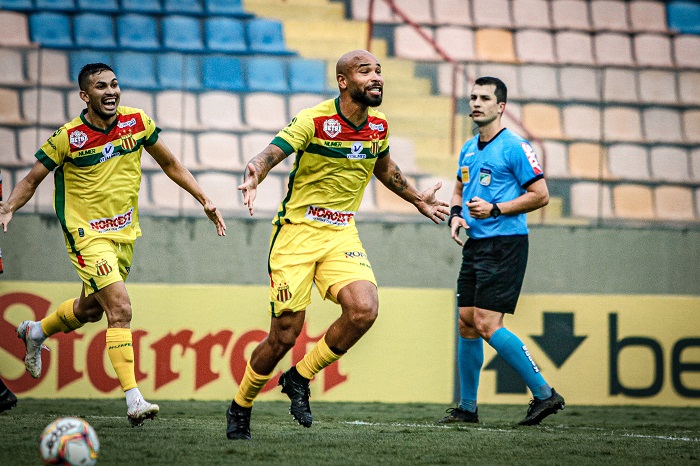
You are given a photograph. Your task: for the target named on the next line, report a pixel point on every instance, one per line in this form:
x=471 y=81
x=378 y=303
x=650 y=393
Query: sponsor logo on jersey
x=81 y=232
x=485 y=177
x=329 y=216
x=332 y=143
x=128 y=141
x=531 y=157
x=86 y=152
x=108 y=152
x=127 y=124
x=116 y=223
x=283 y=293
x=356 y=151
x=103 y=268
x=379 y=127
x=355 y=254
x=77 y=139
x=332 y=127
x=57 y=132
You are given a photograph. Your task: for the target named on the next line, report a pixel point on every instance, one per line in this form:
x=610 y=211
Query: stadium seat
x=492 y=14
x=181 y=144
x=165 y=194
x=452 y=12
x=534 y=46
x=182 y=33
x=14 y=29
x=620 y=85
x=266 y=36
x=267 y=74
x=221 y=187
x=684 y=16
x=539 y=82
x=382 y=12
x=75 y=104
x=571 y=14
x=103 y=6
x=44 y=195
x=265 y=111
x=695 y=164
x=223 y=73
x=389 y=203
x=51 y=30
x=219 y=151
x=176 y=110
x=29 y=140
x=658 y=86
x=582 y=122
x=579 y=83
x=94 y=31
x=418 y=10
x=270 y=192
x=609 y=15
x=686 y=50
x=55 y=5
x=226 y=8
x=495 y=45
x=466 y=73
x=669 y=163
x=409 y=44
x=512 y=118
x=507 y=73
x=574 y=47
x=587 y=161
x=220 y=110
x=368 y=203
x=691 y=126
x=622 y=124
x=137 y=32
x=12 y=67
x=674 y=203
x=184 y=7
x=613 y=49
x=17 y=5
x=44 y=106
x=139 y=99
x=531 y=14
x=177 y=71
x=307 y=75
x=141 y=6
x=8 y=149
x=628 y=162
x=225 y=35
x=252 y=143
x=403 y=152
x=136 y=70
x=457 y=42
x=49 y=68
x=648 y=16
x=689 y=87
x=653 y=50
x=555 y=159
x=633 y=201
x=543 y=120
x=78 y=59
x=662 y=125
x=299 y=101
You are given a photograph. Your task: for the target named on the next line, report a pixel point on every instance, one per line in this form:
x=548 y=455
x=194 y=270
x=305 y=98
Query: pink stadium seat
x=674 y=203
x=9 y=150
x=571 y=14
x=590 y=200
x=533 y=14
x=463 y=81
x=219 y=151
x=138 y=99
x=495 y=45
x=222 y=189
x=408 y=43
x=658 y=86
x=14 y=29
x=458 y=42
x=620 y=85
x=609 y=15
x=539 y=82
x=12 y=67
x=574 y=47
x=543 y=120
x=534 y=46
x=695 y=164
x=181 y=144
x=633 y=202
x=653 y=50
x=662 y=125
x=265 y=111
x=176 y=110
x=165 y=194
x=492 y=14
x=9 y=107
x=54 y=68
x=628 y=162
x=648 y=16
x=29 y=141
x=44 y=106
x=587 y=161
x=686 y=49
x=381 y=14
x=555 y=159
x=452 y=12
x=220 y=110
x=582 y=122
x=506 y=73
x=579 y=83
x=691 y=126
x=418 y=10
x=613 y=49
x=622 y=124
x=689 y=87
x=669 y=163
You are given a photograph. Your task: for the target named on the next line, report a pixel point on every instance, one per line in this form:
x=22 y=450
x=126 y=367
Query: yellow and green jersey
x=97 y=175
x=334 y=162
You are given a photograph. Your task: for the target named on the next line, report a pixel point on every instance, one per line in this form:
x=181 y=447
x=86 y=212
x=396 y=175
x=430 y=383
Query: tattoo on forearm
x=397 y=182
x=264 y=162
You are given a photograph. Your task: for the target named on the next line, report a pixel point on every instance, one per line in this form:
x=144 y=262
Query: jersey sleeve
x=526 y=167
x=54 y=151
x=297 y=134
x=151 y=130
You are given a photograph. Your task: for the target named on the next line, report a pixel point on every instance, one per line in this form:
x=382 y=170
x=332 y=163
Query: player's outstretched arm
x=427 y=204
x=24 y=190
x=257 y=169
x=182 y=176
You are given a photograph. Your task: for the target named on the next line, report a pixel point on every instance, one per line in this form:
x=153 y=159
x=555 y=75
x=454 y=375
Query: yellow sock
x=61 y=320
x=121 y=354
x=319 y=357
x=250 y=386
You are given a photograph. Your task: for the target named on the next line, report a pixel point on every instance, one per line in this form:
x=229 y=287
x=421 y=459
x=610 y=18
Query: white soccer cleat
x=32 y=358
x=140 y=411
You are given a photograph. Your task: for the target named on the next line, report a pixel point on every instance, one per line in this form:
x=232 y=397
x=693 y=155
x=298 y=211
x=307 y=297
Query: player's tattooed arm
x=266 y=160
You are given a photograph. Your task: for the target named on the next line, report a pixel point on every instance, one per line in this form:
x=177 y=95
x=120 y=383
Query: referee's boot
x=540 y=409
x=297 y=389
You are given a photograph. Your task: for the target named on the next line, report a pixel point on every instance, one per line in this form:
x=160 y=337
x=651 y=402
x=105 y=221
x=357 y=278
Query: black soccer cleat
x=238 y=422
x=457 y=415
x=8 y=400
x=540 y=409
x=298 y=392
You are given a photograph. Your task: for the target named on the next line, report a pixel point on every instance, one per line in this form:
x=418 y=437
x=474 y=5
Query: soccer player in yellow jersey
x=339 y=144
x=96 y=160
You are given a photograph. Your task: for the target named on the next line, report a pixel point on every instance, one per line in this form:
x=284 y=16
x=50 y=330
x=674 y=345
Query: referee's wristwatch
x=495 y=211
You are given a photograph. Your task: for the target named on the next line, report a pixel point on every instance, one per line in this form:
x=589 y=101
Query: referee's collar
x=482 y=145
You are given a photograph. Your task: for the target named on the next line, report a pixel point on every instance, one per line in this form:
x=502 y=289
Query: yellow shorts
x=101 y=263
x=301 y=255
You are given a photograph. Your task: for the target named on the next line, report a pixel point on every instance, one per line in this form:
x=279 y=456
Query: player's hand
x=5 y=216
x=249 y=186
x=455 y=225
x=432 y=207
x=215 y=216
x=479 y=208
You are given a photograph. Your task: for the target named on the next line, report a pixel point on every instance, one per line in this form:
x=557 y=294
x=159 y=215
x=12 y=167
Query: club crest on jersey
x=356 y=151
x=78 y=139
x=103 y=268
x=128 y=141
x=374 y=148
x=283 y=293
x=332 y=127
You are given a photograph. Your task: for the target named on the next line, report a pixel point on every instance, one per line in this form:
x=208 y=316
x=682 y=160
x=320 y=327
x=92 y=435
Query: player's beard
x=366 y=99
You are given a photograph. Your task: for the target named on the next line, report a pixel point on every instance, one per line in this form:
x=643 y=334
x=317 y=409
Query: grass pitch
x=193 y=433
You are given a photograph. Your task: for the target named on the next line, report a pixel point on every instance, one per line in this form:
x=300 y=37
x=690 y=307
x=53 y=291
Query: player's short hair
x=88 y=70
x=501 y=90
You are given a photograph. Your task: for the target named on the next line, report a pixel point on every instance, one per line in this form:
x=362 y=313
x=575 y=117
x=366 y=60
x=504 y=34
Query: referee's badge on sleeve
x=465 y=174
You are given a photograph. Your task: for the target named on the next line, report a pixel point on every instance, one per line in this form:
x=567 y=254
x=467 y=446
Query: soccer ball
x=71 y=441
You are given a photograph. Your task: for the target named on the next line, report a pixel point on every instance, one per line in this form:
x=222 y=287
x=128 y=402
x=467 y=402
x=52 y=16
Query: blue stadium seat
x=182 y=33
x=80 y=58
x=103 y=6
x=187 y=7
x=17 y=5
x=141 y=6
x=138 y=32
x=267 y=74
x=177 y=71
x=307 y=75
x=55 y=5
x=684 y=16
x=51 y=30
x=226 y=8
x=94 y=31
x=225 y=35
x=266 y=36
x=223 y=73
x=136 y=70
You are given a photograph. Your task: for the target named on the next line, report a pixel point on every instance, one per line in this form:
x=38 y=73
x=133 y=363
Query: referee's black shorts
x=492 y=273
